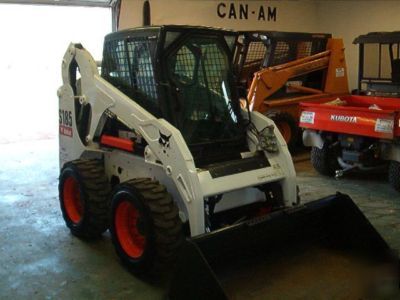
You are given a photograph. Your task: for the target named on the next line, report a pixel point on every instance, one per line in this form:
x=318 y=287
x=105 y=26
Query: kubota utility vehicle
x=278 y=70
x=360 y=132
x=355 y=132
x=157 y=149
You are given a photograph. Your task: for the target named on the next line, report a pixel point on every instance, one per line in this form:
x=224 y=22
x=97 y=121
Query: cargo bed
x=375 y=117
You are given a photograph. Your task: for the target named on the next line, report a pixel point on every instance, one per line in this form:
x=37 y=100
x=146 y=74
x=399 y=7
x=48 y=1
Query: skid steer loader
x=278 y=70
x=157 y=149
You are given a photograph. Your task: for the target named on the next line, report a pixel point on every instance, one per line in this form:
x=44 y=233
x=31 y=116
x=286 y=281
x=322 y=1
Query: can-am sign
x=244 y=11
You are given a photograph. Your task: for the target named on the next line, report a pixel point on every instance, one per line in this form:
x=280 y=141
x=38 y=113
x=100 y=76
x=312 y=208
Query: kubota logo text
x=347 y=119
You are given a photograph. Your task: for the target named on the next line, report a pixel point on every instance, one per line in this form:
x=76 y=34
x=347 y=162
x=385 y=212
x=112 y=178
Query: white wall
x=348 y=19
x=290 y=15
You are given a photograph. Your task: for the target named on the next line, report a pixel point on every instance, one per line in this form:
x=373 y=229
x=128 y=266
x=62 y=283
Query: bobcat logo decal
x=164 y=139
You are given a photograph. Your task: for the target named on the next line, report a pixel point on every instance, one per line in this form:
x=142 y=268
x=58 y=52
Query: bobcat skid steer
x=156 y=149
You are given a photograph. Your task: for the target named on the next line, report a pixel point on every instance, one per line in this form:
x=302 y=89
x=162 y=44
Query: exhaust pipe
x=146 y=13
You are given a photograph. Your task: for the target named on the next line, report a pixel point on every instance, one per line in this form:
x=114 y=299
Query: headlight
x=268 y=141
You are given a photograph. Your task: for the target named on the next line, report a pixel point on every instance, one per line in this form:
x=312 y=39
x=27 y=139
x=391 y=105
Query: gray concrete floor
x=39 y=259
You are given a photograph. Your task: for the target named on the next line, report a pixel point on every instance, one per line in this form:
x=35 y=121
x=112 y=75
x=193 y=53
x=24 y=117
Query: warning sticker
x=384 y=125
x=65 y=130
x=339 y=72
x=307 y=117
x=294 y=83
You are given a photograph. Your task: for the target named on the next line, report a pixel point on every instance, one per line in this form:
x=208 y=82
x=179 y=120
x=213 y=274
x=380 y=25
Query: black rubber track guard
x=334 y=222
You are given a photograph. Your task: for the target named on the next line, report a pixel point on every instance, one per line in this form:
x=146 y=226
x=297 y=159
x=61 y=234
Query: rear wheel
x=145 y=228
x=288 y=128
x=324 y=160
x=394 y=175
x=83 y=193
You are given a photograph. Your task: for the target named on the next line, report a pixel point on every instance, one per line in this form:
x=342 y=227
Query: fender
x=311 y=138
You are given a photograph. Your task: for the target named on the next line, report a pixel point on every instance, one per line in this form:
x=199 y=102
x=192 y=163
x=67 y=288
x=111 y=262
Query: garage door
x=30 y=67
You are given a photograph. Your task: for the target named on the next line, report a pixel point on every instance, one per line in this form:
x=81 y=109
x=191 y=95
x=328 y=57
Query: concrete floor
x=39 y=259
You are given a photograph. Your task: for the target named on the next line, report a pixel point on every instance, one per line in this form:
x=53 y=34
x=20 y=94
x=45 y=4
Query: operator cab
x=379 y=64
x=184 y=75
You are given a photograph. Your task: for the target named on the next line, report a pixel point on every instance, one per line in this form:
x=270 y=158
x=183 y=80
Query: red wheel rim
x=132 y=241
x=262 y=211
x=72 y=200
x=285 y=130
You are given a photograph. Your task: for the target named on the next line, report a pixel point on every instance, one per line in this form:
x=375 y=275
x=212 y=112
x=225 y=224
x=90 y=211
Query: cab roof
x=384 y=37
x=148 y=30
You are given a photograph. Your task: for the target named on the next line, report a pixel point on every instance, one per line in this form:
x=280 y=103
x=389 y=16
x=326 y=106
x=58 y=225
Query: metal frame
x=272 y=37
x=380 y=38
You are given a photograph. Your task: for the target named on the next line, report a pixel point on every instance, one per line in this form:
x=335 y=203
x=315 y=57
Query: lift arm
x=269 y=80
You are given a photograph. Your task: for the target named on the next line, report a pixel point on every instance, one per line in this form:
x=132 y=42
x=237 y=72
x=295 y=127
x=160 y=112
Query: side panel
x=126 y=166
x=336 y=81
x=70 y=146
x=281 y=161
x=366 y=116
x=369 y=124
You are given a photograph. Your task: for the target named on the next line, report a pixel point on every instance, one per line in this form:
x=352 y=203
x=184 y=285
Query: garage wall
x=348 y=19
x=239 y=15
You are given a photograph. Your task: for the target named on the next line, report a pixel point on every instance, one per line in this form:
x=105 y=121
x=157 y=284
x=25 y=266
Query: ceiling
x=93 y=3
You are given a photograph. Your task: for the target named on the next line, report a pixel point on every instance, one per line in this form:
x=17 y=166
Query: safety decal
x=65 y=122
x=339 y=72
x=384 y=125
x=307 y=117
x=294 y=83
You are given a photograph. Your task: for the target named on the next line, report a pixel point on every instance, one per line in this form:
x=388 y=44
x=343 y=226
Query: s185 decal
x=65 y=121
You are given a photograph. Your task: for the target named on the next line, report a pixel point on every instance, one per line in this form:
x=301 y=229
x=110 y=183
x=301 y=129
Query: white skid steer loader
x=157 y=149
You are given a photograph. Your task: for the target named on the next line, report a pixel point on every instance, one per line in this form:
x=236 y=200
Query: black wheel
x=84 y=197
x=145 y=226
x=324 y=160
x=287 y=126
x=394 y=175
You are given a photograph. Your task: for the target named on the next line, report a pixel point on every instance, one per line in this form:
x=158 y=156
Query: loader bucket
x=321 y=250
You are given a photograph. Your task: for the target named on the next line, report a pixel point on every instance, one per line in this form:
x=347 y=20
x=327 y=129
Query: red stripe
x=116 y=142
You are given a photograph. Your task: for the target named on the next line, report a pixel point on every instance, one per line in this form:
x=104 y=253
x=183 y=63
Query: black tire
x=324 y=160
x=287 y=125
x=157 y=226
x=394 y=175
x=84 y=198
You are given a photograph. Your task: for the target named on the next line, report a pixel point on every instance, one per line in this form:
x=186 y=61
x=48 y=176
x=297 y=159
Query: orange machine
x=277 y=90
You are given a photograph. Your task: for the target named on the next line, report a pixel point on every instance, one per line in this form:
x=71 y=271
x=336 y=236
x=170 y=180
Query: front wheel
x=145 y=228
x=324 y=160
x=394 y=175
x=83 y=194
x=288 y=128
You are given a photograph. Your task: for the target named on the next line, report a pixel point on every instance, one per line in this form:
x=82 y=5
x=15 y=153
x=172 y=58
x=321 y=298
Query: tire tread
x=96 y=190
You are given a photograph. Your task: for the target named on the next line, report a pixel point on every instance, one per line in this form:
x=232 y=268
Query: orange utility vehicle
x=289 y=68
